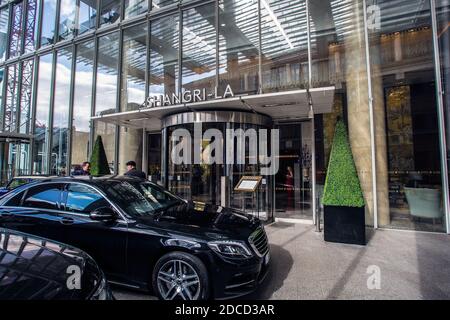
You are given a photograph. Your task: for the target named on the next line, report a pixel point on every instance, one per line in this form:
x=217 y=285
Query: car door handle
x=66 y=221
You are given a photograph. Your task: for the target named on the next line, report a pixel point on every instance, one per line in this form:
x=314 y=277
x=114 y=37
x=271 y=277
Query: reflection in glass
x=402 y=63
x=84 y=70
x=26 y=96
x=61 y=113
x=107 y=71
x=41 y=129
x=48 y=22
x=109 y=11
x=284 y=44
x=133 y=67
x=164 y=51
x=443 y=16
x=16 y=30
x=199 y=48
x=135 y=7
x=162 y=3
x=203 y=182
x=66 y=27
x=238 y=46
x=31 y=25
x=4 y=16
x=11 y=105
x=87 y=15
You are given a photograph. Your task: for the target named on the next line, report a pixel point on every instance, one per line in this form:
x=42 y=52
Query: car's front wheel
x=179 y=275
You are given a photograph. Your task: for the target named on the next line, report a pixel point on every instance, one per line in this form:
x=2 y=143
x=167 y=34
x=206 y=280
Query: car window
x=15 y=201
x=45 y=196
x=140 y=198
x=17 y=183
x=84 y=199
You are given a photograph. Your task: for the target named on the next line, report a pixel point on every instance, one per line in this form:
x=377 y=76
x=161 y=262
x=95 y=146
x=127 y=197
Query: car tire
x=180 y=275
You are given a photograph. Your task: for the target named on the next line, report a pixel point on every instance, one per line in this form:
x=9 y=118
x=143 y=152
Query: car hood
x=211 y=221
x=36 y=268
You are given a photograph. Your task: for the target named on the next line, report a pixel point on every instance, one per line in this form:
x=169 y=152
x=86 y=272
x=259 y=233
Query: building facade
x=135 y=71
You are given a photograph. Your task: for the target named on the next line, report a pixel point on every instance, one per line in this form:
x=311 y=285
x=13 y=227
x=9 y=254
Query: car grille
x=259 y=242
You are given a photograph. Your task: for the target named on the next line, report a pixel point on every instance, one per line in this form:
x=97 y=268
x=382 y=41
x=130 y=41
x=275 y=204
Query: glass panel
x=4 y=17
x=16 y=30
x=238 y=46
x=199 y=49
x=401 y=49
x=284 y=44
x=31 y=26
x=293 y=181
x=11 y=105
x=26 y=96
x=2 y=78
x=197 y=182
x=135 y=7
x=41 y=130
x=337 y=40
x=48 y=22
x=203 y=182
x=87 y=15
x=82 y=102
x=133 y=67
x=164 y=50
x=443 y=15
x=109 y=11
x=154 y=158
x=107 y=71
x=61 y=112
x=44 y=196
x=66 y=29
x=162 y=3
x=82 y=199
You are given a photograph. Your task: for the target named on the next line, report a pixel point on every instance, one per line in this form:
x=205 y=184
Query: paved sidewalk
x=413 y=266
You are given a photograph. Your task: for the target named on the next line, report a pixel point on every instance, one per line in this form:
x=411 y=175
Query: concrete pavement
x=412 y=265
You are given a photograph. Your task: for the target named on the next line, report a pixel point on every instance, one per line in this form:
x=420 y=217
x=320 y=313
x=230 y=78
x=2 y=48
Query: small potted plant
x=343 y=200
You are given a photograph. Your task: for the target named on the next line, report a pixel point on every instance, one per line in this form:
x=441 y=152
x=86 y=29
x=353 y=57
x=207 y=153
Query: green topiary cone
x=99 y=162
x=342 y=186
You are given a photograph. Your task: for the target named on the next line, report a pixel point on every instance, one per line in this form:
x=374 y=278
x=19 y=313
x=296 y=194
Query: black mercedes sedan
x=145 y=237
x=35 y=268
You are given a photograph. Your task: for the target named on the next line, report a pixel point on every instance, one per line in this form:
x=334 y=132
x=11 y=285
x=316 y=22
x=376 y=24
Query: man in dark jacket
x=133 y=172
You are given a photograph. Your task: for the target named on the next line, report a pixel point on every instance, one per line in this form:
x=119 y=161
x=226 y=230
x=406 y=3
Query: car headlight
x=102 y=292
x=231 y=249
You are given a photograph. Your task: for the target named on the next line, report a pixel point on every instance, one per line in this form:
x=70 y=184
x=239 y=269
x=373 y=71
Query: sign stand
x=250 y=184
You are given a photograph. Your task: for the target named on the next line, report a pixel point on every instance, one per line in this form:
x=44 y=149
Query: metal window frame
x=440 y=114
x=373 y=147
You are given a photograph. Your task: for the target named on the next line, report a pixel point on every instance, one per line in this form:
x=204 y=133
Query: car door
x=105 y=241
x=36 y=210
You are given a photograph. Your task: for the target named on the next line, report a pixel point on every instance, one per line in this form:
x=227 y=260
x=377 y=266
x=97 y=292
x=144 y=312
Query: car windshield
x=140 y=198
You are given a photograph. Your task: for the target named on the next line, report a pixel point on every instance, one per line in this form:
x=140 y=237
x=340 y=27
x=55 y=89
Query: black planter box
x=345 y=225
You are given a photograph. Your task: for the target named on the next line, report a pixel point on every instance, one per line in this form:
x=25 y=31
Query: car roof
x=36 y=177
x=92 y=179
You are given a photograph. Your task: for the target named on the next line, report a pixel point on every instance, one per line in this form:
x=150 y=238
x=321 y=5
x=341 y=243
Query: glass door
x=293 y=183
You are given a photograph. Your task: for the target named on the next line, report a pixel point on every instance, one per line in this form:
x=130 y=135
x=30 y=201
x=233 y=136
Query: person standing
x=133 y=172
x=85 y=169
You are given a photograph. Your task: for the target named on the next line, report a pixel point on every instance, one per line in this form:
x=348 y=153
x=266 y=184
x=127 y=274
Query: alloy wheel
x=178 y=280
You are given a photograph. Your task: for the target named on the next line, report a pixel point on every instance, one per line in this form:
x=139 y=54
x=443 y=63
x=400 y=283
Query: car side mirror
x=103 y=214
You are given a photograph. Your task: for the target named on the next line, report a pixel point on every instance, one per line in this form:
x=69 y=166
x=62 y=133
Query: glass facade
x=41 y=123
x=386 y=89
